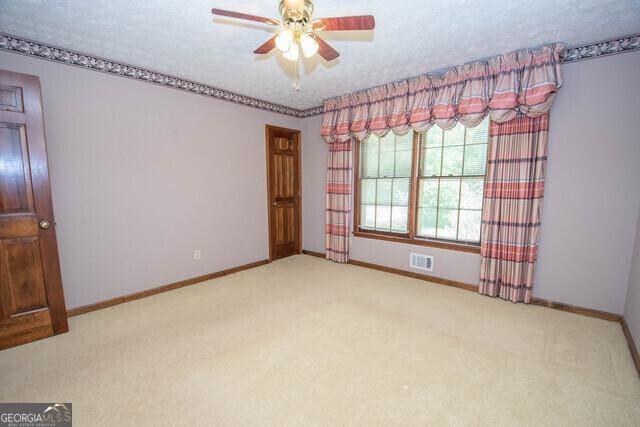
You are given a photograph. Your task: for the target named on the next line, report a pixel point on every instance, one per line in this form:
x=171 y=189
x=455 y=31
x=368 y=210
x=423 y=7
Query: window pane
x=369 y=155
x=447 y=224
x=400 y=195
x=434 y=136
x=387 y=160
x=479 y=134
x=432 y=160
x=384 y=192
x=368 y=192
x=404 y=142
x=403 y=162
x=452 y=161
x=475 y=159
x=427 y=222
x=388 y=142
x=428 y=193
x=449 y=195
x=469 y=226
x=383 y=218
x=368 y=216
x=454 y=136
x=399 y=216
x=471 y=193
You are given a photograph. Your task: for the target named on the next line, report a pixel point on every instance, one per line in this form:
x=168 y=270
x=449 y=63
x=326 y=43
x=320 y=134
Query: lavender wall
x=592 y=197
x=142 y=175
x=314 y=170
x=591 y=202
x=632 y=306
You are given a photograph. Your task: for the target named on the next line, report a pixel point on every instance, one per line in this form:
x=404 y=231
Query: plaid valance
x=518 y=83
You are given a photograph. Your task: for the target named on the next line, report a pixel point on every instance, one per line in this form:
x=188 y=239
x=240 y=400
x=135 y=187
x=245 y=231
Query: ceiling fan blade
x=345 y=23
x=238 y=15
x=324 y=50
x=267 y=47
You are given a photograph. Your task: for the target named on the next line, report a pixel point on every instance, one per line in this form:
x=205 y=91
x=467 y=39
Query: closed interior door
x=31 y=298
x=283 y=170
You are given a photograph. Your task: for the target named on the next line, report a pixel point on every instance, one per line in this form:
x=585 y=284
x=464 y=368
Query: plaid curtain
x=338 y=209
x=511 y=215
x=504 y=87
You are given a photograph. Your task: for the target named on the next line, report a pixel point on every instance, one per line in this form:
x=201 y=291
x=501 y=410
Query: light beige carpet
x=304 y=341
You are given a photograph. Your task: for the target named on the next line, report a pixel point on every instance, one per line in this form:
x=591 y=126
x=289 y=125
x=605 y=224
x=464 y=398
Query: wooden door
x=31 y=298
x=283 y=181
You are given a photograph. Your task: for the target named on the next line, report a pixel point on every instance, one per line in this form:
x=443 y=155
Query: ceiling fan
x=298 y=31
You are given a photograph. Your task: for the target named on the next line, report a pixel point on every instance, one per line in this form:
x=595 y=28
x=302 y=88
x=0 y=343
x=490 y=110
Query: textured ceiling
x=412 y=37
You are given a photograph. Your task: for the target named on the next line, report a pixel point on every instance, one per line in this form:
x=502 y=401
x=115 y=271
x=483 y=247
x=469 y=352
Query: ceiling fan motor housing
x=296 y=11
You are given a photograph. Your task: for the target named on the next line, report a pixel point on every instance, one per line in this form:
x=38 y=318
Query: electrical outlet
x=197 y=255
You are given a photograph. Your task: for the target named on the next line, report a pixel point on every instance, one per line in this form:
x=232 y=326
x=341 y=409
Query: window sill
x=420 y=242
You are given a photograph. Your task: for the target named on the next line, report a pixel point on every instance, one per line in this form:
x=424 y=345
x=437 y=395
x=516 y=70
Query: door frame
x=298 y=136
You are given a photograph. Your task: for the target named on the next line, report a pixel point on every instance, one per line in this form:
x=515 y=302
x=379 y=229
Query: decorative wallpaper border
x=70 y=57
x=315 y=111
x=602 y=48
x=96 y=63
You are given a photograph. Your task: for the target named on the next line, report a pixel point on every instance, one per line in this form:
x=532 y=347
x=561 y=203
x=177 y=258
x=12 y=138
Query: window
x=385 y=179
x=447 y=174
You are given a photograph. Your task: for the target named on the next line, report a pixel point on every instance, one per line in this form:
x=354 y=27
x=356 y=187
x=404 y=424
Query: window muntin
x=451 y=173
x=385 y=183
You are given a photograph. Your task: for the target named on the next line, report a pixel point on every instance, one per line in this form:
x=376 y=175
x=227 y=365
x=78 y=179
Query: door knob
x=275 y=203
x=44 y=224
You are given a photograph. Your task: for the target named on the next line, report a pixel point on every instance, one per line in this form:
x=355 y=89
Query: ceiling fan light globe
x=309 y=45
x=294 y=4
x=284 y=41
x=293 y=54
